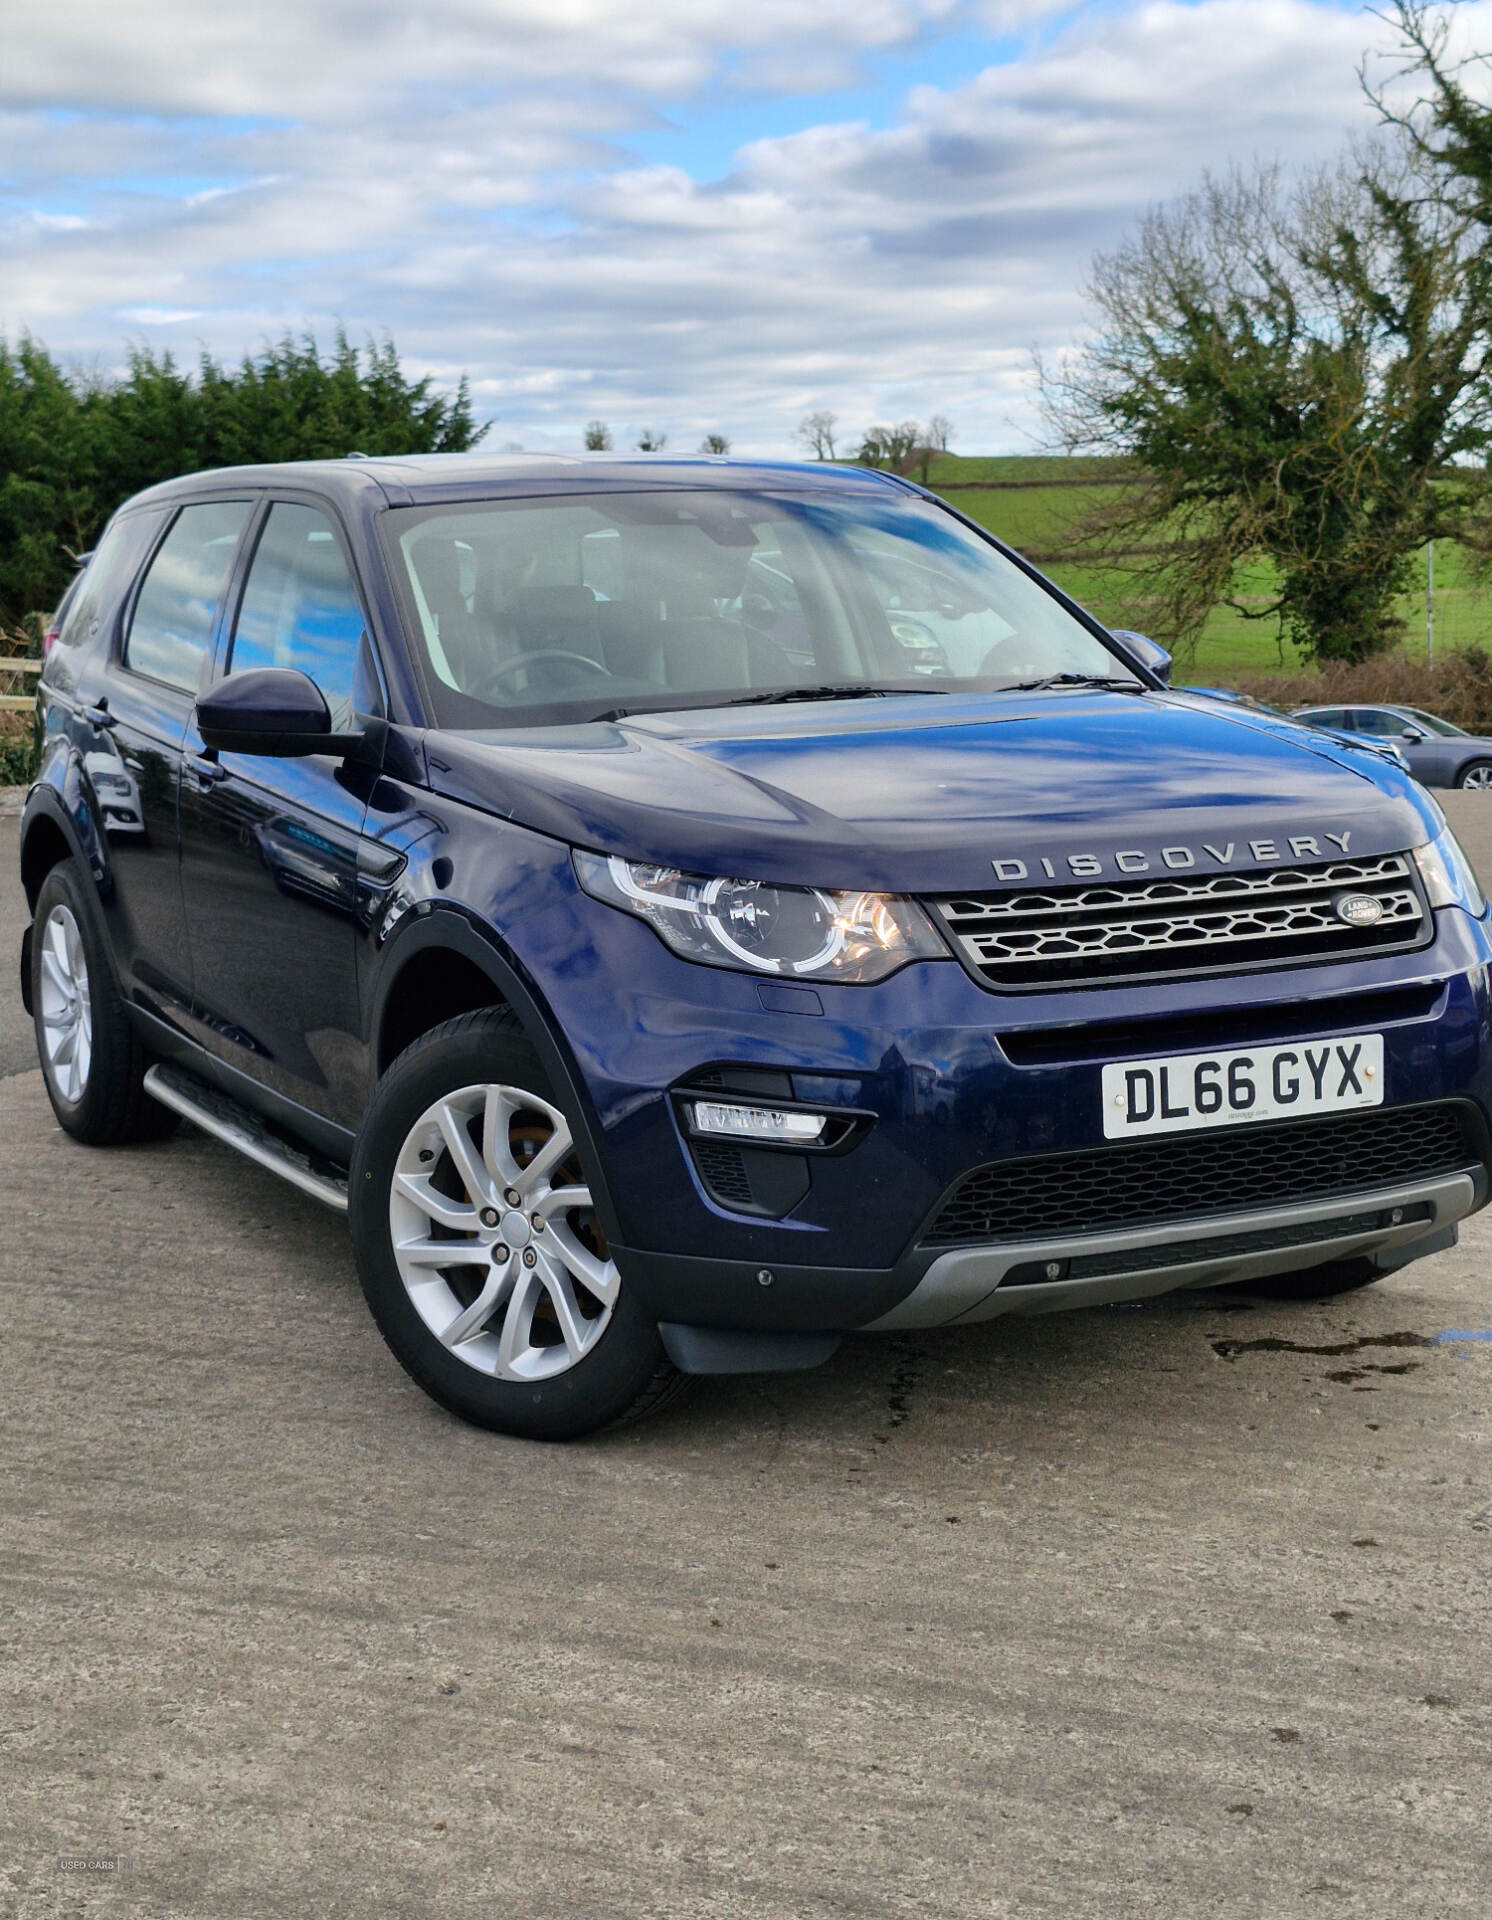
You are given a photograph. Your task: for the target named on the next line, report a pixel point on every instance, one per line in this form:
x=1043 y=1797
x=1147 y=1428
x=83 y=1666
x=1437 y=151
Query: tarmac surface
x=1176 y=1610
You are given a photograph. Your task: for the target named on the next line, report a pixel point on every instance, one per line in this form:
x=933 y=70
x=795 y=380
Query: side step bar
x=244 y=1131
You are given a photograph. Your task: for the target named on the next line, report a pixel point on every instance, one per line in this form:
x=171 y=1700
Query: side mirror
x=269 y=710
x=1149 y=653
x=1411 y=734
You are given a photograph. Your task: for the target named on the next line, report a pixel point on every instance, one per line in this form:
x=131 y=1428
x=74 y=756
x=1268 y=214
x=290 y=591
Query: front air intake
x=1197 y=1176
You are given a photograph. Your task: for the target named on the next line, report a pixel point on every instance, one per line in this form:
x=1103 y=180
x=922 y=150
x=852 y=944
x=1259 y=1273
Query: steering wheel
x=581 y=660
x=1012 y=655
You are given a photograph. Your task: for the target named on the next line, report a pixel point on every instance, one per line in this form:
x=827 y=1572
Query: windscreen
x=563 y=610
x=1432 y=724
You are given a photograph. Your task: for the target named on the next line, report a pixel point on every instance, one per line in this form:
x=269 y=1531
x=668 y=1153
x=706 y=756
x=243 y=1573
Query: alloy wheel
x=66 y=1004
x=494 y=1234
x=1478 y=776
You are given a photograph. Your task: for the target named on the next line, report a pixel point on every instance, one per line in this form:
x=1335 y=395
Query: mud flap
x=728 y=1350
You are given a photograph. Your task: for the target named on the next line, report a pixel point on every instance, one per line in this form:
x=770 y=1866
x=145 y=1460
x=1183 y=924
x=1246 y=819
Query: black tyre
x=1315 y=1283
x=479 y=1251
x=91 y=1057
x=1476 y=773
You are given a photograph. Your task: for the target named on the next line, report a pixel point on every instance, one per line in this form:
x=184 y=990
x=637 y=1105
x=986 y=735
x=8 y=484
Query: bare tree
x=1444 y=122
x=714 y=443
x=816 y=433
x=597 y=437
x=889 y=446
x=933 y=441
x=651 y=441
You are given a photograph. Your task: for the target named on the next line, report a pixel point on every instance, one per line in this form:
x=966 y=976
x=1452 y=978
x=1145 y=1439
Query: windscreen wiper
x=1121 y=683
x=833 y=691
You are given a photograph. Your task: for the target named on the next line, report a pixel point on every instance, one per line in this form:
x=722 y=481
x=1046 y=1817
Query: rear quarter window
x=100 y=593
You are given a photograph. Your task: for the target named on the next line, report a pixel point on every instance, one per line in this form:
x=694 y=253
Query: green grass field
x=1030 y=501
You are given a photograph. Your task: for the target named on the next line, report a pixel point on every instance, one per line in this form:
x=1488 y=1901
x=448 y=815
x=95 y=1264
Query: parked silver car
x=1387 y=749
x=1439 y=754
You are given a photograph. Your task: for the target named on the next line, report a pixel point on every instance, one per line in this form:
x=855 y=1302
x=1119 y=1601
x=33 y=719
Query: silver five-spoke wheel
x=494 y=1236
x=66 y=1004
x=1478 y=775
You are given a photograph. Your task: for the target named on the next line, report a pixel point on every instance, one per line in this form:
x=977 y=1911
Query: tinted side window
x=171 y=630
x=1325 y=717
x=300 y=608
x=1373 y=720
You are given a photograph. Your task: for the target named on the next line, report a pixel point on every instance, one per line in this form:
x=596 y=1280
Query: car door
x=136 y=712
x=1433 y=758
x=1444 y=755
x=270 y=845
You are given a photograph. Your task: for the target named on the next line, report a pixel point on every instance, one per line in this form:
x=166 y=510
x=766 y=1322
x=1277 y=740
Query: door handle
x=208 y=772
x=100 y=716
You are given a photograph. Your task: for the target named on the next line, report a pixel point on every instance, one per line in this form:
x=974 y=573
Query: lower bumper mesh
x=1201 y=1175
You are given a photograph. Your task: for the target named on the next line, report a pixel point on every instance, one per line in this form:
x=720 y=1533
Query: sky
x=687 y=215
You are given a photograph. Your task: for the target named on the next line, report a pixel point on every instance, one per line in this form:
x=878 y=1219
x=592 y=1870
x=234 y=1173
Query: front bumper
x=933 y=1060
x=930 y=1287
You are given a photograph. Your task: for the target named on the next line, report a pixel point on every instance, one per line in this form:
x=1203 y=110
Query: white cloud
x=496 y=224
x=206 y=195
x=285 y=58
x=1007 y=16
x=159 y=316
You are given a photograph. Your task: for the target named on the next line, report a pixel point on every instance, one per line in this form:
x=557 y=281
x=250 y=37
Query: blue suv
x=684 y=911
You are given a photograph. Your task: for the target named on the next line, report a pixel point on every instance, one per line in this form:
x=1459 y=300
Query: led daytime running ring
x=830 y=950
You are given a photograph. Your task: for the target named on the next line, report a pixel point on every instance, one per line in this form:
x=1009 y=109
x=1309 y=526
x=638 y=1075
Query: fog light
x=724 y=1121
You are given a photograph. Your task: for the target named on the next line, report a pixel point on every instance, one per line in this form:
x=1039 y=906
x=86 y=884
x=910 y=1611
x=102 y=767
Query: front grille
x=1200 y=1175
x=1066 y=936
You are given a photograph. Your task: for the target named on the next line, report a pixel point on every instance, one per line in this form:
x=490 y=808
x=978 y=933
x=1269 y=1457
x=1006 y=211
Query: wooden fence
x=12 y=702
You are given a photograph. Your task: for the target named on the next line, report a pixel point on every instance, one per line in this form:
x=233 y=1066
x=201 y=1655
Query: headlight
x=800 y=933
x=1447 y=874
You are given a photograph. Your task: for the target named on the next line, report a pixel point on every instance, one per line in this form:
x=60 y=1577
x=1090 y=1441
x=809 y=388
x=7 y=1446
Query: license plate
x=1244 y=1085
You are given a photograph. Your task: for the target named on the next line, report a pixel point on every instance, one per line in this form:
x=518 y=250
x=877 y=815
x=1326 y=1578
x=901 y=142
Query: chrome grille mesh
x=1183 y=924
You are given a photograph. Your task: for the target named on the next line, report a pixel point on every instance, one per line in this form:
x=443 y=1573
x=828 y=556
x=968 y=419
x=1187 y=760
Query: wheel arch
x=51 y=834
x=46 y=839
x=59 y=823
x=434 y=983
x=437 y=968
x=1464 y=766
